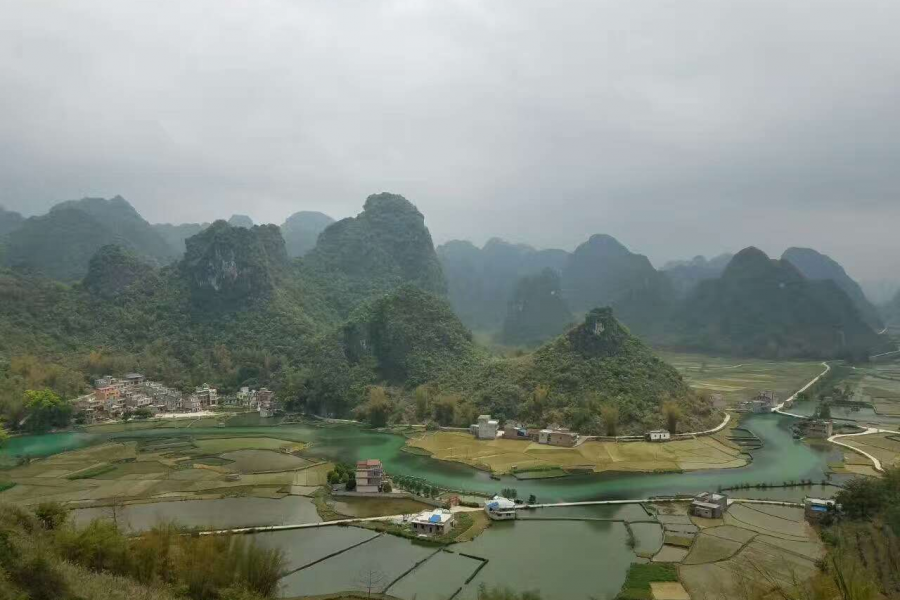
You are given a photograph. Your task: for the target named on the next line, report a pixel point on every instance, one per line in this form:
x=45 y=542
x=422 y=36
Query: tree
x=510 y=493
x=824 y=410
x=422 y=396
x=672 y=414
x=445 y=409
x=4 y=437
x=609 y=414
x=532 y=499
x=378 y=408
x=370 y=577
x=45 y=410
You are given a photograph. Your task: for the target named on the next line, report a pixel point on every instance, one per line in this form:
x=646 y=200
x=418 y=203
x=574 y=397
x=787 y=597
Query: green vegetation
x=112 y=269
x=44 y=557
x=60 y=243
x=763 y=307
x=536 y=310
x=301 y=230
x=92 y=472
x=819 y=267
x=45 y=410
x=641 y=575
x=480 y=281
x=502 y=593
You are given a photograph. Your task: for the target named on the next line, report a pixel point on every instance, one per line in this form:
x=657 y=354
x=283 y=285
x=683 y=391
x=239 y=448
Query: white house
x=658 y=435
x=486 y=428
x=433 y=522
x=499 y=508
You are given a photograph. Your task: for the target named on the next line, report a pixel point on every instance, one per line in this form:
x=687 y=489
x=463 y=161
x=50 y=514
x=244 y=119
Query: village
x=133 y=395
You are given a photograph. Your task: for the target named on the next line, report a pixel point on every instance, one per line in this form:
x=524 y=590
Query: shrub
x=51 y=514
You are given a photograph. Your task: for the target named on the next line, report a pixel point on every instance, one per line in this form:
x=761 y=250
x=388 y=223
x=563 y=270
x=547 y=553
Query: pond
x=780 y=459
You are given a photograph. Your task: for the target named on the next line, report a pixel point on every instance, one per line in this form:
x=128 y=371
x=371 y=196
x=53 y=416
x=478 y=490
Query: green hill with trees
x=537 y=310
x=764 y=307
x=817 y=267
x=301 y=231
x=60 y=244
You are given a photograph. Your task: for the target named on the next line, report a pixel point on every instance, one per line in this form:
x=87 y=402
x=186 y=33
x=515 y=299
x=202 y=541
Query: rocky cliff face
x=227 y=266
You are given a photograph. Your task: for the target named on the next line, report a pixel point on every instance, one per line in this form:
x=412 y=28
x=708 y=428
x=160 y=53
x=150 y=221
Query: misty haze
x=449 y=301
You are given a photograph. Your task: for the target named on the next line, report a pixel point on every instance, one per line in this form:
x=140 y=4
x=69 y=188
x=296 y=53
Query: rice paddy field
x=163 y=469
x=503 y=456
x=752 y=539
x=740 y=378
x=883 y=446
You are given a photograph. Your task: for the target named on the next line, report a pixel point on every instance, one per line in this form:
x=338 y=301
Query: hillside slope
x=536 y=311
x=60 y=243
x=763 y=307
x=816 y=266
x=603 y=272
x=301 y=231
x=481 y=281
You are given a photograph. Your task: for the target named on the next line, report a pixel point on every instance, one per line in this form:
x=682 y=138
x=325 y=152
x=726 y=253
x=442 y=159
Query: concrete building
x=208 y=396
x=433 y=522
x=658 y=435
x=486 y=428
x=558 y=436
x=133 y=378
x=709 y=505
x=499 y=508
x=369 y=475
x=818 y=428
x=814 y=509
x=515 y=431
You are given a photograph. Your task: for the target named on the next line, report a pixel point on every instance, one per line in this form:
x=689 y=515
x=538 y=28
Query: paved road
x=779 y=409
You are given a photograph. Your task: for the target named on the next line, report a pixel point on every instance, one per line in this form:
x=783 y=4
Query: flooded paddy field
x=205 y=514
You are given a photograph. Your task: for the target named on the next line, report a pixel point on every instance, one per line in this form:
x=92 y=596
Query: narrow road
x=875 y=462
x=779 y=409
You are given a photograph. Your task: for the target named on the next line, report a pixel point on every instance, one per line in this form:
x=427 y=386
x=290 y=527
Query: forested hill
x=686 y=274
x=424 y=365
x=60 y=244
x=301 y=231
x=816 y=266
x=765 y=307
x=481 y=281
x=384 y=246
x=235 y=310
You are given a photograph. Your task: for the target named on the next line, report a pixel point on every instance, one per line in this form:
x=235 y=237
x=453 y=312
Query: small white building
x=486 y=428
x=499 y=508
x=433 y=522
x=658 y=435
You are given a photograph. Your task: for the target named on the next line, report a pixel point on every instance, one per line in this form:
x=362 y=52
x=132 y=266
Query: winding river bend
x=781 y=459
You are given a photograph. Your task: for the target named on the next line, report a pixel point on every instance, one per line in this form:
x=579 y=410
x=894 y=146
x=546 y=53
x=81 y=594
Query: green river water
x=781 y=459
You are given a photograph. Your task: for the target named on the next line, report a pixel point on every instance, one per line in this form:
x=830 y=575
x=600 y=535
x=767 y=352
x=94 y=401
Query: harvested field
x=218 y=445
x=883 y=446
x=736 y=379
x=750 y=518
x=709 y=548
x=252 y=461
x=375 y=507
x=504 y=456
x=670 y=554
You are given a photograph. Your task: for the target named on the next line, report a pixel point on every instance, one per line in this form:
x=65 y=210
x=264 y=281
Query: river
x=781 y=459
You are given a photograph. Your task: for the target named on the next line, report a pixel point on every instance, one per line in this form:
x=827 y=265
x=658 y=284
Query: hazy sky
x=679 y=127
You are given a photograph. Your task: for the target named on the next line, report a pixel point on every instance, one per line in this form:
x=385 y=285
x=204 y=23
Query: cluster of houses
x=488 y=429
x=112 y=397
x=763 y=402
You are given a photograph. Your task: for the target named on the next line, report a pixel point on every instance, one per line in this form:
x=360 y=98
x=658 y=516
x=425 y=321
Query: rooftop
x=436 y=516
x=372 y=462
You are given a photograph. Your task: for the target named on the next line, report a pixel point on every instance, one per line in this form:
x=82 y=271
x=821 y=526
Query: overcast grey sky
x=679 y=127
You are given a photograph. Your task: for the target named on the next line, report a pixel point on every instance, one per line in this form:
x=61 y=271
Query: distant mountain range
x=60 y=243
